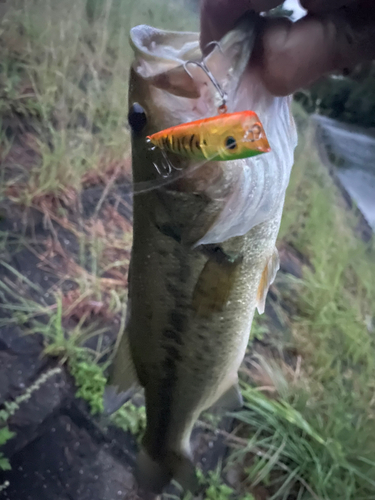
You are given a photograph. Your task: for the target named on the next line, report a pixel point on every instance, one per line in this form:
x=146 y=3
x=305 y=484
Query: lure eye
x=137 y=118
x=230 y=143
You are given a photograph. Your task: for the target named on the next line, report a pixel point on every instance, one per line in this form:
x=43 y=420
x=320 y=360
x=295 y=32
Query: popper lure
x=229 y=136
x=226 y=136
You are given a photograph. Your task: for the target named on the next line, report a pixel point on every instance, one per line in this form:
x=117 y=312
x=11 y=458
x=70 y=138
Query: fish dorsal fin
x=266 y=280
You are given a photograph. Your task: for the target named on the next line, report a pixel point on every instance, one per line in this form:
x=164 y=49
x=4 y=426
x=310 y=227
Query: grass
x=63 y=82
x=306 y=430
x=314 y=438
x=69 y=345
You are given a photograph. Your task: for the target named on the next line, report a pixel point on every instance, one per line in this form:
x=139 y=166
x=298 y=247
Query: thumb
x=294 y=55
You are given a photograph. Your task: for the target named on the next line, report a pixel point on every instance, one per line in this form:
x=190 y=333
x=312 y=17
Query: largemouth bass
x=203 y=254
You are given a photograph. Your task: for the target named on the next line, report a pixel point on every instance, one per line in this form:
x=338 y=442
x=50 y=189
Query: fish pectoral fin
x=122 y=381
x=266 y=280
x=154 y=475
x=231 y=400
x=214 y=285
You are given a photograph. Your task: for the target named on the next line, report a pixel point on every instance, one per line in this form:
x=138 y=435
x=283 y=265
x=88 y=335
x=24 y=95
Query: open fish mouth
x=153 y=44
x=258 y=183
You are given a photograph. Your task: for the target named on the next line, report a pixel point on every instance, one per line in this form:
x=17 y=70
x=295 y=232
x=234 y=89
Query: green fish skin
x=197 y=273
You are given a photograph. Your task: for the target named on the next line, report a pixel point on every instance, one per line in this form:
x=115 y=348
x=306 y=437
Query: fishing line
x=145 y=186
x=174 y=173
x=216 y=44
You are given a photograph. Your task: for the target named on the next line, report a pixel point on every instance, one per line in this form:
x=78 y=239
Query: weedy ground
x=306 y=431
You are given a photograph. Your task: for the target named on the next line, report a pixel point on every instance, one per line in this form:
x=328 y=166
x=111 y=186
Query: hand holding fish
x=335 y=35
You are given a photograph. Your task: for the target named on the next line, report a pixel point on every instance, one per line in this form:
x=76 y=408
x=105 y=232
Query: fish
x=204 y=243
x=227 y=136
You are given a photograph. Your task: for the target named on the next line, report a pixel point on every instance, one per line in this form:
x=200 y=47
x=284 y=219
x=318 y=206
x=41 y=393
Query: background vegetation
x=350 y=99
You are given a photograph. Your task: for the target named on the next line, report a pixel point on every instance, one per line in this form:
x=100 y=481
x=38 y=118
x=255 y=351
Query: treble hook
x=166 y=166
x=167 y=171
x=203 y=66
x=217 y=44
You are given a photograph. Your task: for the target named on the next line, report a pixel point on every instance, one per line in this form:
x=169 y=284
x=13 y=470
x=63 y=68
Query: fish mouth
x=158 y=50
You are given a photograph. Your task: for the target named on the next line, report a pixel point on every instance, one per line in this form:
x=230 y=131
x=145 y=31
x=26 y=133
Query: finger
x=292 y=56
x=319 y=6
x=219 y=16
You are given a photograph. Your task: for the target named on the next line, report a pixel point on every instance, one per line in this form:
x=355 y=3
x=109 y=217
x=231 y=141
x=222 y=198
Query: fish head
x=167 y=88
x=163 y=92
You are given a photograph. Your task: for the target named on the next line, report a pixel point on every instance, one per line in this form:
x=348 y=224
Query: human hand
x=335 y=35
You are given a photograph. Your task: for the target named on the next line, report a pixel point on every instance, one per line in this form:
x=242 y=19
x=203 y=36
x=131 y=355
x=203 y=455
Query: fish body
x=227 y=136
x=203 y=254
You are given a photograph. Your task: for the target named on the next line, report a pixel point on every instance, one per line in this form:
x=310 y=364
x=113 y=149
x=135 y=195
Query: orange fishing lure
x=227 y=136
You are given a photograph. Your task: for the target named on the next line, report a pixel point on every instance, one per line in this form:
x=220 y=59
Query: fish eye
x=137 y=118
x=230 y=143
